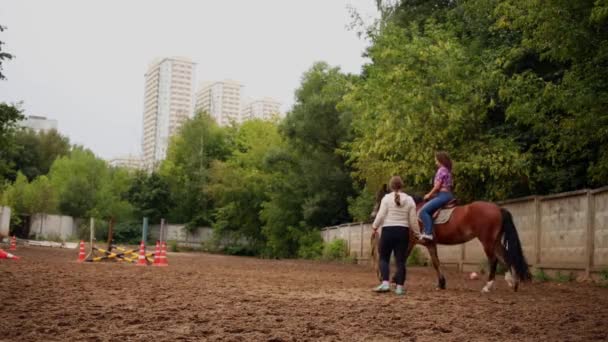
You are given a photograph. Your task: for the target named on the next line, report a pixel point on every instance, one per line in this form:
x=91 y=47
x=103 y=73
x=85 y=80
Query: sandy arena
x=47 y=296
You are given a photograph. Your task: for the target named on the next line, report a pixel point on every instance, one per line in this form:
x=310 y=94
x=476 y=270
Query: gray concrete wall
x=50 y=226
x=5 y=221
x=177 y=233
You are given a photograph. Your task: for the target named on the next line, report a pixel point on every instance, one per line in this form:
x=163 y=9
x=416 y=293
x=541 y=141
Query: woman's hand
x=427 y=197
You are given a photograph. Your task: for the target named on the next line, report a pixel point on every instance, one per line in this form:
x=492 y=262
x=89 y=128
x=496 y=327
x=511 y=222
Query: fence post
x=361 y=242
x=537 y=222
x=349 y=240
x=462 y=257
x=590 y=234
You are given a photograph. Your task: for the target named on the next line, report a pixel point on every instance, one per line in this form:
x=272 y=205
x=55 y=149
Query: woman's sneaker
x=426 y=237
x=400 y=291
x=382 y=288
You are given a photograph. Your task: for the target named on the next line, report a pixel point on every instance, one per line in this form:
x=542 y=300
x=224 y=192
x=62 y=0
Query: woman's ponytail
x=396 y=185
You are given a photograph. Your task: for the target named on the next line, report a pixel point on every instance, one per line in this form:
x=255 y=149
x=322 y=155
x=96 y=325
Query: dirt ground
x=47 y=296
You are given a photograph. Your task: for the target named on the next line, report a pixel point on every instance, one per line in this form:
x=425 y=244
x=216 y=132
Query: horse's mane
x=417 y=199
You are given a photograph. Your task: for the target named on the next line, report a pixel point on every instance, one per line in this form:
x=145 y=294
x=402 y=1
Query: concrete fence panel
x=600 y=243
x=563 y=224
x=525 y=218
x=53 y=226
x=5 y=221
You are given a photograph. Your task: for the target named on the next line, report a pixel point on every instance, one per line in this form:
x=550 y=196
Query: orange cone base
x=13 y=246
x=81 y=253
x=141 y=260
x=5 y=255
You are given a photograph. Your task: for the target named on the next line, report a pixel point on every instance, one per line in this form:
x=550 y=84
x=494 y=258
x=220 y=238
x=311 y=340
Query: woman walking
x=396 y=215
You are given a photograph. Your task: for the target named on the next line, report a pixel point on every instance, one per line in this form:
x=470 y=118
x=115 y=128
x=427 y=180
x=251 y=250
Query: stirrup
x=426 y=237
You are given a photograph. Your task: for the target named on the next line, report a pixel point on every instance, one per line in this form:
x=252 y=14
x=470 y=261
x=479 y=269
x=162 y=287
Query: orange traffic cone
x=157 y=253
x=81 y=254
x=13 y=246
x=141 y=260
x=5 y=255
x=163 y=255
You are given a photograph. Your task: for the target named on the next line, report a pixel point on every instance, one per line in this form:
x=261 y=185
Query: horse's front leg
x=432 y=248
x=375 y=255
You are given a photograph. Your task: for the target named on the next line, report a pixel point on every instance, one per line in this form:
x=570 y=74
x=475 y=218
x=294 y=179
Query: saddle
x=443 y=214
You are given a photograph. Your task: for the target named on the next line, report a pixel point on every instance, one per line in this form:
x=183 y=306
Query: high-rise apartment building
x=39 y=123
x=265 y=109
x=128 y=161
x=169 y=85
x=221 y=100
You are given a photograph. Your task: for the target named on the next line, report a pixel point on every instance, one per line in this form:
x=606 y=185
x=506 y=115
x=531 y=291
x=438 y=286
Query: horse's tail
x=514 y=254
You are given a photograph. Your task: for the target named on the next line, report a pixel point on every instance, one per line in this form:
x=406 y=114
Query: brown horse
x=482 y=220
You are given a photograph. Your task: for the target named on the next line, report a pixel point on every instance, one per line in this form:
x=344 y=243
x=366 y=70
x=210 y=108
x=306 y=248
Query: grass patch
x=604 y=278
x=540 y=276
x=564 y=277
x=173 y=247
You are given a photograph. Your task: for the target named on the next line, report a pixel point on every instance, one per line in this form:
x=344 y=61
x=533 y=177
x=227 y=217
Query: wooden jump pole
x=144 y=232
x=92 y=236
x=162 y=230
x=110 y=228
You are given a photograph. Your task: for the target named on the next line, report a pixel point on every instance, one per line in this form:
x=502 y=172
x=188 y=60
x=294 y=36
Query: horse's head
x=379 y=195
x=418 y=200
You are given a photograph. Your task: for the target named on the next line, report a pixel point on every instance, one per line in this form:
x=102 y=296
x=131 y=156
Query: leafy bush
x=239 y=249
x=604 y=277
x=416 y=258
x=173 y=246
x=311 y=245
x=335 y=250
x=127 y=232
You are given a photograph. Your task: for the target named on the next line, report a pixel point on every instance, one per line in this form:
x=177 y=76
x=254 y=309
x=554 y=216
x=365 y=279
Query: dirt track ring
x=49 y=296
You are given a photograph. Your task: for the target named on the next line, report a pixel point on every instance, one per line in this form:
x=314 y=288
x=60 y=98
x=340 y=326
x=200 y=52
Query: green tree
x=3 y=55
x=111 y=197
x=310 y=183
x=186 y=168
x=10 y=115
x=41 y=197
x=78 y=178
x=556 y=88
x=150 y=196
x=35 y=152
x=16 y=195
x=239 y=185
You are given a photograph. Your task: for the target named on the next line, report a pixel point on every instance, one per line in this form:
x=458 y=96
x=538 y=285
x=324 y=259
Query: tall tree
x=35 y=152
x=10 y=115
x=3 y=55
x=150 y=196
x=310 y=182
x=78 y=178
x=240 y=185
x=186 y=168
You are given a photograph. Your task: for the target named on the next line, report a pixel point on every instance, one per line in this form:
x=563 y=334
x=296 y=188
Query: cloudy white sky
x=83 y=62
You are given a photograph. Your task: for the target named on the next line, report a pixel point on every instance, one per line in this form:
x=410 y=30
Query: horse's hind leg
x=493 y=263
x=432 y=248
x=510 y=275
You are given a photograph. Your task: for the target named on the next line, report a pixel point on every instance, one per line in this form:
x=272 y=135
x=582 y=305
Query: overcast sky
x=83 y=62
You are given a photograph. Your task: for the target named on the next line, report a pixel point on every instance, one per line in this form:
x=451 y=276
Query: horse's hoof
x=485 y=290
